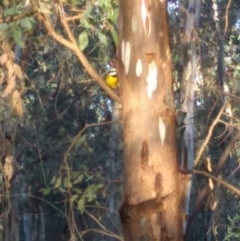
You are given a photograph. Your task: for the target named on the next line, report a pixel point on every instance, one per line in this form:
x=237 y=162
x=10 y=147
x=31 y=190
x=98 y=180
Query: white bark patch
x=127 y=57
x=145 y=18
x=134 y=24
x=225 y=87
x=215 y=10
x=151 y=79
x=139 y=67
x=162 y=129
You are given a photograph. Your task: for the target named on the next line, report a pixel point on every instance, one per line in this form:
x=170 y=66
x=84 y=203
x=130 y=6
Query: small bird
x=112 y=78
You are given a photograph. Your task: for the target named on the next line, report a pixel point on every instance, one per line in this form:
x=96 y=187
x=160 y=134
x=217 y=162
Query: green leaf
x=74 y=175
x=115 y=14
x=75 y=2
x=102 y=38
x=228 y=237
x=73 y=198
x=10 y=11
x=81 y=204
x=90 y=193
x=85 y=23
x=77 y=190
x=3 y=26
x=115 y=36
x=99 y=186
x=67 y=183
x=58 y=182
x=80 y=141
x=83 y=40
x=100 y=3
x=89 y=177
x=88 y=10
x=46 y=191
x=62 y=190
x=26 y=23
x=79 y=179
x=104 y=4
x=53 y=180
x=90 y=149
x=17 y=35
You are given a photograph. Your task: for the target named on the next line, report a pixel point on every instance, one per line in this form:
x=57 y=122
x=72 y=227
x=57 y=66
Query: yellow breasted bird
x=112 y=78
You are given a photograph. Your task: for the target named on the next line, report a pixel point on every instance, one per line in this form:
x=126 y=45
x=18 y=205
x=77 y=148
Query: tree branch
x=72 y=45
x=216 y=179
x=209 y=134
x=226 y=152
x=205 y=191
x=81 y=132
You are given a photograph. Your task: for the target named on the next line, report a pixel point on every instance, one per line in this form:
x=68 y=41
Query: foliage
x=64 y=170
x=233 y=228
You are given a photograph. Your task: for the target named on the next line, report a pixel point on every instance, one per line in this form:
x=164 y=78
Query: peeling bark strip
x=151 y=207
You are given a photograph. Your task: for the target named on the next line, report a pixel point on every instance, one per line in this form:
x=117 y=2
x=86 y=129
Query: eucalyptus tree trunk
x=42 y=225
x=28 y=226
x=187 y=98
x=151 y=205
x=211 y=202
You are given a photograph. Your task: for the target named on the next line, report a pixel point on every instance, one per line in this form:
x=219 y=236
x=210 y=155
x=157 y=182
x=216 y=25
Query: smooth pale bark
x=28 y=226
x=151 y=207
x=187 y=99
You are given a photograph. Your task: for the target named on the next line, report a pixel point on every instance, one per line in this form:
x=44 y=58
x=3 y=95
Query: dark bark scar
x=158 y=185
x=144 y=155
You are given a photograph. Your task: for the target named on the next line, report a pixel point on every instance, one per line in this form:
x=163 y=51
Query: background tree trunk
x=151 y=208
x=187 y=98
x=114 y=173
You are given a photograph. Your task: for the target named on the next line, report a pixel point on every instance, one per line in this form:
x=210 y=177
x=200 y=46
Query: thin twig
x=76 y=17
x=209 y=134
x=226 y=152
x=216 y=179
x=226 y=17
x=81 y=132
